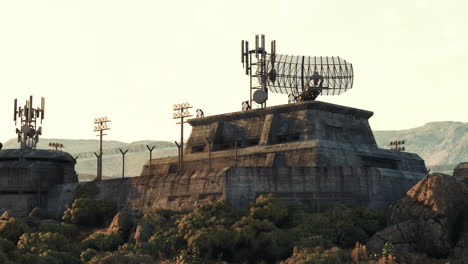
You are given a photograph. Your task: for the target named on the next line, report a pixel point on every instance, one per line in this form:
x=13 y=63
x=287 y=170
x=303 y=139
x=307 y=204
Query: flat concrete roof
x=8 y=154
x=310 y=105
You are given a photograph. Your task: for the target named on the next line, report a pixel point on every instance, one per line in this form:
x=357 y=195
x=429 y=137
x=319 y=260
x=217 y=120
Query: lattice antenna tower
x=28 y=133
x=255 y=63
x=303 y=78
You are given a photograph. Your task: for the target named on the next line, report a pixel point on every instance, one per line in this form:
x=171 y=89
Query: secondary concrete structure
x=304 y=152
x=27 y=175
x=461 y=170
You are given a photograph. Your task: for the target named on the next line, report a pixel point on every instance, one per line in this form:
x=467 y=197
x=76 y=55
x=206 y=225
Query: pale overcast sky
x=132 y=60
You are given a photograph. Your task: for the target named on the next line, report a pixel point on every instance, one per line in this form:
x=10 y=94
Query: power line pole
x=98 y=158
x=178 y=155
x=100 y=126
x=181 y=112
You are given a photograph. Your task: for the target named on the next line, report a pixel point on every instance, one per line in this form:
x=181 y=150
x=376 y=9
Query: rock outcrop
x=430 y=218
x=122 y=223
x=460 y=252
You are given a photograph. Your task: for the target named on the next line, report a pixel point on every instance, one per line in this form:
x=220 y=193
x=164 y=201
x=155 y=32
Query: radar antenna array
x=303 y=78
x=28 y=133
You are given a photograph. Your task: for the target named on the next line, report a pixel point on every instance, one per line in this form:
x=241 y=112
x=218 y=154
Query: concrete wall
x=370 y=187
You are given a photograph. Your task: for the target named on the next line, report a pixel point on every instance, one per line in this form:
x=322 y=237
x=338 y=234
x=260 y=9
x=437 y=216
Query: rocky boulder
x=123 y=222
x=430 y=218
x=142 y=233
x=460 y=251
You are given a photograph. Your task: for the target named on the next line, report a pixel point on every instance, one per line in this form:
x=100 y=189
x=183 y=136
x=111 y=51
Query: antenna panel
x=293 y=71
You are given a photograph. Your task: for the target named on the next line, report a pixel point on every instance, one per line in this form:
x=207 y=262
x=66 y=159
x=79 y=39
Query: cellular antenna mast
x=303 y=78
x=28 y=133
x=255 y=63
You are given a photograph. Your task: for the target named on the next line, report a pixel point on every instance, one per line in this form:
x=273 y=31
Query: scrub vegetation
x=269 y=231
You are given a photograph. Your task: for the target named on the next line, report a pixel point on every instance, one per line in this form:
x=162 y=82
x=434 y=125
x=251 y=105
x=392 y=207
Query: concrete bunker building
x=27 y=174
x=307 y=152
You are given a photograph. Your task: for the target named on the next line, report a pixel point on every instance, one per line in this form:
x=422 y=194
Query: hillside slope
x=441 y=144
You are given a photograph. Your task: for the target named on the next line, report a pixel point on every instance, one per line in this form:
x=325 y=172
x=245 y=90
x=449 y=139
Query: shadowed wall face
x=26 y=176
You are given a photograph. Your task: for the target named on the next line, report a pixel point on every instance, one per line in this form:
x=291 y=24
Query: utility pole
x=98 y=158
x=151 y=158
x=123 y=161
x=100 y=126
x=395 y=145
x=181 y=112
x=178 y=155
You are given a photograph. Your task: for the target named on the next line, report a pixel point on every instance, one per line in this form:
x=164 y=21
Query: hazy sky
x=132 y=60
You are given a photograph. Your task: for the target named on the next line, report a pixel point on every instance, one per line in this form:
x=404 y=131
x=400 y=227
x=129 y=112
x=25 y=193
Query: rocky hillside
x=432 y=219
x=441 y=144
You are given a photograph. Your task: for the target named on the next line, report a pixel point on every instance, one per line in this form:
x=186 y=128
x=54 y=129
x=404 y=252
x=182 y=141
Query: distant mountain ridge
x=441 y=144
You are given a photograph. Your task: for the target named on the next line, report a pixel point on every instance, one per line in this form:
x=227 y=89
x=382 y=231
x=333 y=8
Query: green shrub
x=86 y=190
x=343 y=224
x=164 y=243
x=121 y=258
x=13 y=228
x=90 y=212
x=103 y=242
x=87 y=255
x=296 y=215
x=369 y=220
x=8 y=251
x=56 y=257
x=269 y=207
x=39 y=242
x=315 y=241
x=3 y=258
x=319 y=256
x=261 y=240
x=213 y=242
x=68 y=230
x=208 y=230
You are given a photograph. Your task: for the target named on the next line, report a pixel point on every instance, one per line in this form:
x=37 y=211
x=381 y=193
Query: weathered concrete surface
x=371 y=187
x=26 y=175
x=461 y=170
